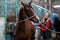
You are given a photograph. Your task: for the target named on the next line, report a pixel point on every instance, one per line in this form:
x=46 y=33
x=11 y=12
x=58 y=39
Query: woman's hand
x=40 y=25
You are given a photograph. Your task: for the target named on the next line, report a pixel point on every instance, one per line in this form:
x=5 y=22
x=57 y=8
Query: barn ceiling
x=56 y=2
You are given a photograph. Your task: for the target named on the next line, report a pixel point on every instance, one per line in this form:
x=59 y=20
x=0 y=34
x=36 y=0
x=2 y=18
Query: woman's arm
x=48 y=24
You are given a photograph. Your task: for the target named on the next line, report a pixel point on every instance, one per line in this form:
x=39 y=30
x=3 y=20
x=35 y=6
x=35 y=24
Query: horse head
x=29 y=11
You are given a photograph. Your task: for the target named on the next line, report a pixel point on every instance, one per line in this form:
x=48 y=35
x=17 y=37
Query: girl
x=47 y=25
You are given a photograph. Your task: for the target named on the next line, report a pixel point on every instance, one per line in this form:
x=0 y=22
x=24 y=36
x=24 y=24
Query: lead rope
x=39 y=22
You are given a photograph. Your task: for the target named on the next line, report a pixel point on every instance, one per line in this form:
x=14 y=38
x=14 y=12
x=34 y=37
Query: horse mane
x=20 y=25
x=21 y=14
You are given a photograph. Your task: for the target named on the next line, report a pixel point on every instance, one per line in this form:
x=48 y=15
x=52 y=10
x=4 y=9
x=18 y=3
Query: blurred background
x=9 y=10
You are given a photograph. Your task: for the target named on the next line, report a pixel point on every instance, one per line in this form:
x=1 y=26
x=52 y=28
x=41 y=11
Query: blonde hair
x=48 y=13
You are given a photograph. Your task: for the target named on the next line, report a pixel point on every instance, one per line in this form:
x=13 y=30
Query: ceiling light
x=57 y=6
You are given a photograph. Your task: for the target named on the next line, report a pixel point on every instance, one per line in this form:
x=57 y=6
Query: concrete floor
x=39 y=37
x=9 y=38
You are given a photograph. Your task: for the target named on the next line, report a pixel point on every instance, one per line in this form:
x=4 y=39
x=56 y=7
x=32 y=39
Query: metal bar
x=16 y=9
x=5 y=13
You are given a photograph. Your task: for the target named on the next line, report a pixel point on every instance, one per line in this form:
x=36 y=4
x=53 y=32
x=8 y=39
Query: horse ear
x=30 y=2
x=22 y=3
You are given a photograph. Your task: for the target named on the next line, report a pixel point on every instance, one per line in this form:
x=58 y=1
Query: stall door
x=2 y=20
x=12 y=7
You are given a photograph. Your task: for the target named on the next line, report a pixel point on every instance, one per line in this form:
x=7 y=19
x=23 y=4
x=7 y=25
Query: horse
x=25 y=29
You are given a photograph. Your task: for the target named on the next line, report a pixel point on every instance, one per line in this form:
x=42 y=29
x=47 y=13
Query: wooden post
x=45 y=3
x=50 y=5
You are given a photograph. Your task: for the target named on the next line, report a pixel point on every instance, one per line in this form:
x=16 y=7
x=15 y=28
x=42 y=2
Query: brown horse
x=24 y=29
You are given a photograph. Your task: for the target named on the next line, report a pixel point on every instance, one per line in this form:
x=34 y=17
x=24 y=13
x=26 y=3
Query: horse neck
x=21 y=26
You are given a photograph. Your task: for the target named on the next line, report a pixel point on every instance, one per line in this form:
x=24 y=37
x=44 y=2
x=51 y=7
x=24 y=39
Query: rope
x=25 y=19
x=39 y=21
x=41 y=24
